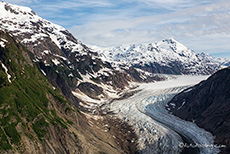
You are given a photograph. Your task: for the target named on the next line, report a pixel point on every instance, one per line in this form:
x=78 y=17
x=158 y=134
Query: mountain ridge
x=167 y=56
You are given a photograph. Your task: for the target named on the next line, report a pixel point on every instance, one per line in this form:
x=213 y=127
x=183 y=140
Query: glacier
x=158 y=130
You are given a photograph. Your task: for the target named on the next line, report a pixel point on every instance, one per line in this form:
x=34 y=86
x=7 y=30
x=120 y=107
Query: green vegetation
x=12 y=133
x=68 y=109
x=58 y=120
x=68 y=121
x=58 y=97
x=39 y=128
x=4 y=142
x=3 y=79
x=25 y=98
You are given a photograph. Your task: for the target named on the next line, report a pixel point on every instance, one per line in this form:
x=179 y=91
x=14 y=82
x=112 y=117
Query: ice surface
x=157 y=129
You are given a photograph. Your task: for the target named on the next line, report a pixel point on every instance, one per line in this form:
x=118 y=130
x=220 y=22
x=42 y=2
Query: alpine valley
x=57 y=95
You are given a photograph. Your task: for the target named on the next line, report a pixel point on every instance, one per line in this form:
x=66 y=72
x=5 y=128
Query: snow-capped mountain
x=23 y=23
x=65 y=61
x=166 y=56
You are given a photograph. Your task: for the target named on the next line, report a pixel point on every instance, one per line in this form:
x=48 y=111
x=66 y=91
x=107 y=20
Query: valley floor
x=158 y=131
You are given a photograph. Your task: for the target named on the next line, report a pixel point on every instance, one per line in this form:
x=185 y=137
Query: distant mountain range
x=167 y=56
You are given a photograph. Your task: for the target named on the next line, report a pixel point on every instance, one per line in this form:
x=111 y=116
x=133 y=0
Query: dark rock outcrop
x=90 y=89
x=208 y=105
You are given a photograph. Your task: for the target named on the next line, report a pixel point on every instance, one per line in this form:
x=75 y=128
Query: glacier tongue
x=157 y=129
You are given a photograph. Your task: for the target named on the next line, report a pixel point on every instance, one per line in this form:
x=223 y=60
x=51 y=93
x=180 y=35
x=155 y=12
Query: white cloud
x=20 y=1
x=73 y=4
x=206 y=25
x=201 y=25
x=173 y=4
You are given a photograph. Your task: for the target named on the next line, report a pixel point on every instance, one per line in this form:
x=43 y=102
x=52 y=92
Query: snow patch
x=181 y=106
x=3 y=42
x=43 y=72
x=55 y=40
x=85 y=98
x=47 y=52
x=60 y=57
x=6 y=71
x=70 y=75
x=188 y=90
x=173 y=105
x=55 y=61
x=34 y=38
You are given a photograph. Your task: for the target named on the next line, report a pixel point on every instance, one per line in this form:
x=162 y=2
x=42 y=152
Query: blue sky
x=202 y=25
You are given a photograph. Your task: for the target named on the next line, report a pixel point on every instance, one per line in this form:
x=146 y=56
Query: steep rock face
x=208 y=105
x=29 y=106
x=36 y=118
x=167 y=56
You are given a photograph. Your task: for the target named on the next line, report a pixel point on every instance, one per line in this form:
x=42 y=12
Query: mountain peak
x=28 y=27
x=168 y=54
x=172 y=44
x=170 y=40
x=7 y=8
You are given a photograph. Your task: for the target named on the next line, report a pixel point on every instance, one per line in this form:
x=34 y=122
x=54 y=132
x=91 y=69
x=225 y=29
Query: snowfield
x=158 y=130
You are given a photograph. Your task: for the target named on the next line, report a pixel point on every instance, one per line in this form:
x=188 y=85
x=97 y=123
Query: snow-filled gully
x=160 y=132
